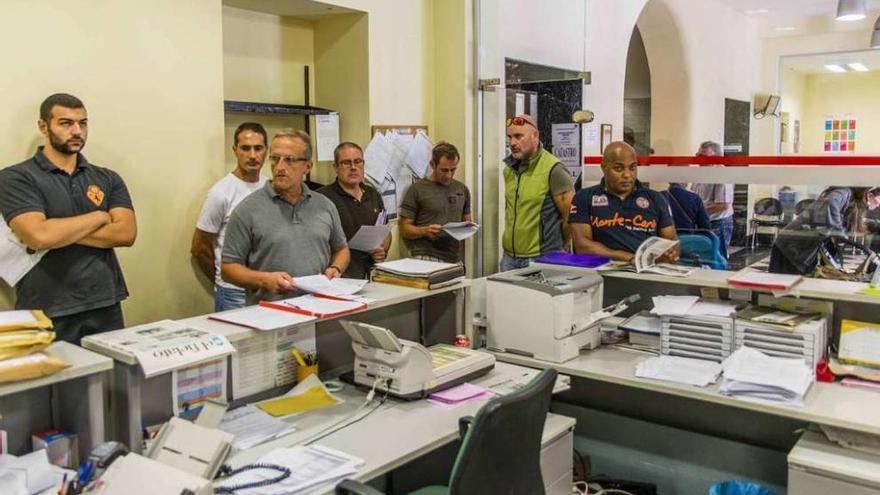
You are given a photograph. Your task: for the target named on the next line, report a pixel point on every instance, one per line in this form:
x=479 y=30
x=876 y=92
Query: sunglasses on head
x=519 y=121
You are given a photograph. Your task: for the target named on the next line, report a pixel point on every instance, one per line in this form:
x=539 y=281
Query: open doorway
x=637 y=96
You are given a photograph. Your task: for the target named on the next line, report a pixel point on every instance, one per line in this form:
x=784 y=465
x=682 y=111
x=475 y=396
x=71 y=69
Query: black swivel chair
x=500 y=448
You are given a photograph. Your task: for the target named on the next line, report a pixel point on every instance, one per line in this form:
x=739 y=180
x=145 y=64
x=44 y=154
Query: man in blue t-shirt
x=614 y=217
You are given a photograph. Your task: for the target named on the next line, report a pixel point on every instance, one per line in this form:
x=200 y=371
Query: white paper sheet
x=251 y=426
x=461 y=230
x=261 y=318
x=673 y=305
x=410 y=266
x=418 y=156
x=18 y=316
x=400 y=144
x=310 y=467
x=752 y=374
x=327 y=135
x=377 y=157
x=15 y=261
x=705 y=307
x=320 y=306
x=679 y=370
x=167 y=345
x=320 y=284
x=369 y=237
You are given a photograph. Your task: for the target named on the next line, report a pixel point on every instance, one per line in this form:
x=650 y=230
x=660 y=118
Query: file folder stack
x=700 y=337
x=782 y=334
x=418 y=274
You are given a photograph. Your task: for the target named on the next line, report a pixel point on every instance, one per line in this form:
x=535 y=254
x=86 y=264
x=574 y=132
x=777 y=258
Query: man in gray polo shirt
x=284 y=230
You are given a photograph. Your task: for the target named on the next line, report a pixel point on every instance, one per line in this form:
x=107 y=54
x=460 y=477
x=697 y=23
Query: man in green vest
x=537 y=197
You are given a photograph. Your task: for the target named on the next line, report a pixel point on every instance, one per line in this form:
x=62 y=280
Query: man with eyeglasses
x=537 y=197
x=615 y=216
x=432 y=202
x=249 y=146
x=284 y=230
x=358 y=205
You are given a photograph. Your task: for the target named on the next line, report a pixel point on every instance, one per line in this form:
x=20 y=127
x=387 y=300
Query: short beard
x=61 y=146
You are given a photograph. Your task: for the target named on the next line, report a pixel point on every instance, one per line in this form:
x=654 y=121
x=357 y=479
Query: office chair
x=701 y=248
x=500 y=449
x=766 y=218
x=802 y=205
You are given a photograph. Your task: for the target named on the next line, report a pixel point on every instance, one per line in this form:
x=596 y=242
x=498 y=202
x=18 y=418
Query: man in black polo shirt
x=615 y=216
x=358 y=205
x=77 y=211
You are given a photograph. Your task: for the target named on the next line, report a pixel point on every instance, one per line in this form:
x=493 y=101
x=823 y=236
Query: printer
x=408 y=370
x=546 y=313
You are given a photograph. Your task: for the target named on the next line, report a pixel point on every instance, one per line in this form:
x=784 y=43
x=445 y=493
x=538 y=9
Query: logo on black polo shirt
x=643 y=203
x=600 y=200
x=95 y=194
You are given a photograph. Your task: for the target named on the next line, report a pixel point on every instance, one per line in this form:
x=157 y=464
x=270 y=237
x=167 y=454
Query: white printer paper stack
x=780 y=334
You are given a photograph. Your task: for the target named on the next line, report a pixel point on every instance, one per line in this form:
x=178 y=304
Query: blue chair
x=701 y=248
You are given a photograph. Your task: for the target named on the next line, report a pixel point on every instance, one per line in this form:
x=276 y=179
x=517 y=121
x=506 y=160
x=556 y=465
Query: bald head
x=620 y=168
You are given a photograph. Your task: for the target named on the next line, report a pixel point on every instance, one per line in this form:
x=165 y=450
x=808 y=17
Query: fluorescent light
x=835 y=68
x=850 y=10
x=858 y=67
x=785 y=28
x=757 y=11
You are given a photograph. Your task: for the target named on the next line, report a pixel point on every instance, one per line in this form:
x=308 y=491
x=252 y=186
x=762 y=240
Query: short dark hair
x=253 y=127
x=344 y=145
x=58 y=100
x=443 y=150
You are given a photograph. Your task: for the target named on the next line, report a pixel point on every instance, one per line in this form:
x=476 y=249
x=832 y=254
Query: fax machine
x=408 y=370
x=546 y=313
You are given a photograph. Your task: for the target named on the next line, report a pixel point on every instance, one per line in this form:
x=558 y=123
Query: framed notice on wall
x=839 y=133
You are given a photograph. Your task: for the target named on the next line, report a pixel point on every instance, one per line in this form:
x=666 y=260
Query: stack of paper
x=762 y=280
x=310 y=467
x=261 y=318
x=456 y=396
x=752 y=374
x=251 y=426
x=419 y=274
x=679 y=370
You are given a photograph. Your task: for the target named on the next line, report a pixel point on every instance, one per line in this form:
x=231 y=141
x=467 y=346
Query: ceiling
x=815 y=64
x=778 y=18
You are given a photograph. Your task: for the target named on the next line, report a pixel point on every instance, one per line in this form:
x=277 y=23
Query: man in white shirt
x=207 y=244
x=718 y=199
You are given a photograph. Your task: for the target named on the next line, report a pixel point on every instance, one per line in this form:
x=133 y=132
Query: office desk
x=84 y=379
x=402 y=309
x=398 y=432
x=825 y=403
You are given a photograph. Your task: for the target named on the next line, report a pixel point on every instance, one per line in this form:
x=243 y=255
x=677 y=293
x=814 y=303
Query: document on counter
x=261 y=318
x=308 y=395
x=369 y=237
x=320 y=284
x=319 y=306
x=673 y=305
x=15 y=259
x=751 y=373
x=251 y=427
x=166 y=345
x=461 y=230
x=676 y=369
x=310 y=467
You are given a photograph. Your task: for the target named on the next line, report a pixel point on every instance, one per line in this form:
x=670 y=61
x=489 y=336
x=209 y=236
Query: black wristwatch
x=338 y=270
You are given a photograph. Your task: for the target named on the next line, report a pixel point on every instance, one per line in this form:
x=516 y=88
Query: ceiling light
x=835 y=68
x=875 y=38
x=850 y=10
x=858 y=67
x=757 y=11
x=785 y=28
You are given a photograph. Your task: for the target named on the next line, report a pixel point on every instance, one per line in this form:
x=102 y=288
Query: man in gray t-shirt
x=432 y=202
x=284 y=230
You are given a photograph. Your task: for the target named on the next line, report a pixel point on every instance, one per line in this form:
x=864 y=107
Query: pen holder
x=303 y=372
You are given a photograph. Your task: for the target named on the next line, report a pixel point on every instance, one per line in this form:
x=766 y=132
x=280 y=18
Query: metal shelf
x=273 y=108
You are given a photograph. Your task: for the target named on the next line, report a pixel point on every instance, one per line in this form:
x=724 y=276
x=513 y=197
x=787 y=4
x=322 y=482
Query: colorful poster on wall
x=840 y=134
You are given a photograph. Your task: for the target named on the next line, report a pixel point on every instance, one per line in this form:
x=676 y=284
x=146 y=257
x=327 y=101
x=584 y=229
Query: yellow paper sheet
x=311 y=399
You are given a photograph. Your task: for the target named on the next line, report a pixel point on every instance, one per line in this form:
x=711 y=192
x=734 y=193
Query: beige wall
x=842 y=94
x=793 y=87
x=150 y=74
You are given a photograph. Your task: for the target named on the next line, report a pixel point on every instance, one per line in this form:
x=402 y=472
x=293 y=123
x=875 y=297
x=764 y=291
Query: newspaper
x=167 y=345
x=646 y=256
